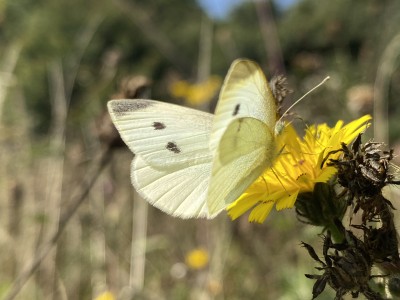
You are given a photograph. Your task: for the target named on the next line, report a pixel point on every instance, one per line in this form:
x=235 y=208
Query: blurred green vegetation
x=63 y=60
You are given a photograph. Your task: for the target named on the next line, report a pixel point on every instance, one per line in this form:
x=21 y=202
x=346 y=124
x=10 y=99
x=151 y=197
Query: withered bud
x=363 y=169
x=346 y=265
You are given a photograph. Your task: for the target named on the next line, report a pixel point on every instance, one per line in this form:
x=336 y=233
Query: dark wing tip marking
x=120 y=108
x=159 y=125
x=171 y=146
x=236 y=111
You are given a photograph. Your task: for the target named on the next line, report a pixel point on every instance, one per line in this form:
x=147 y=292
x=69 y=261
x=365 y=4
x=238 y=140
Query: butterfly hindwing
x=245 y=93
x=246 y=149
x=180 y=192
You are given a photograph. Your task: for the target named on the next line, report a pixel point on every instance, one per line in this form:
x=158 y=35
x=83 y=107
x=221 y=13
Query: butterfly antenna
x=306 y=94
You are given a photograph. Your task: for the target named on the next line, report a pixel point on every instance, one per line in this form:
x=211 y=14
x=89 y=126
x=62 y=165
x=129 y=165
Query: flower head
x=107 y=295
x=196 y=94
x=297 y=168
x=197 y=258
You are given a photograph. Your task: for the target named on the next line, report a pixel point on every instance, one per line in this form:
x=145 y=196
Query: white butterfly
x=192 y=164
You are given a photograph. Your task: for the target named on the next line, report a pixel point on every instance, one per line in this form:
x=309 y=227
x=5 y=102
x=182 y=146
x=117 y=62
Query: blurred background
x=61 y=61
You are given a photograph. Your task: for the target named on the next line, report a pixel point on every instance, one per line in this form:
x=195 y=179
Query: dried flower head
x=363 y=170
x=347 y=267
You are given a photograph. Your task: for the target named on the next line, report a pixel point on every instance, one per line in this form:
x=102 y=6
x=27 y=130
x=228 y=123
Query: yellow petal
x=261 y=212
x=287 y=201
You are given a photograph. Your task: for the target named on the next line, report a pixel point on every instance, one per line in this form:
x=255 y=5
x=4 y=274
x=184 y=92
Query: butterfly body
x=190 y=163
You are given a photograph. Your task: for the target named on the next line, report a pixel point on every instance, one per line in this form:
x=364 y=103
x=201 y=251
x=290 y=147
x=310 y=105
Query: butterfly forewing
x=245 y=93
x=161 y=133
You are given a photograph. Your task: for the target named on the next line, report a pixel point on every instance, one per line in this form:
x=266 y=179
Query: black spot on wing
x=158 y=125
x=171 y=146
x=121 y=107
x=236 y=110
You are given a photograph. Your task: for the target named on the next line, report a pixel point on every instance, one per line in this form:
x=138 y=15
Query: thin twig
x=139 y=245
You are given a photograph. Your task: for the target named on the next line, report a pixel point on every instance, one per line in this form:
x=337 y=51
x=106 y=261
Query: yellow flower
x=105 y=296
x=197 y=258
x=196 y=94
x=296 y=169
